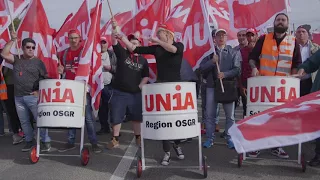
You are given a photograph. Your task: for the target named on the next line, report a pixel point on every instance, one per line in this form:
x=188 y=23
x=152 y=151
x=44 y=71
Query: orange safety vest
x=274 y=60
x=3 y=87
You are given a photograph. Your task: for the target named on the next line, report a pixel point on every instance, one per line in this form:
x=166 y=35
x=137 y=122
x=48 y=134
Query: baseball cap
x=166 y=27
x=132 y=36
x=76 y=31
x=220 y=30
x=103 y=38
x=252 y=30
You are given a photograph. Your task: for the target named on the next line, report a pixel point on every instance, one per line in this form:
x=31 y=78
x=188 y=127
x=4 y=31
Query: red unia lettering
x=166 y=102
x=54 y=95
x=269 y=94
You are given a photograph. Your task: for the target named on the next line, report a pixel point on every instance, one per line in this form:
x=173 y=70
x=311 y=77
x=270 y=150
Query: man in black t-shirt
x=132 y=73
x=168 y=55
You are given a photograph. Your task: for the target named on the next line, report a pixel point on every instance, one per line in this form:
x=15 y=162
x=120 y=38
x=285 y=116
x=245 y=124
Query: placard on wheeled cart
x=265 y=92
x=170 y=113
x=61 y=105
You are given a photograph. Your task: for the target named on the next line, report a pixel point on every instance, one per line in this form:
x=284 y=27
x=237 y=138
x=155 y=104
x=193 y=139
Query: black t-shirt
x=168 y=64
x=130 y=70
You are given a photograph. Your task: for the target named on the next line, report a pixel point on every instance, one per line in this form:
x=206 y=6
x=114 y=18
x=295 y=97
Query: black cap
x=307 y=27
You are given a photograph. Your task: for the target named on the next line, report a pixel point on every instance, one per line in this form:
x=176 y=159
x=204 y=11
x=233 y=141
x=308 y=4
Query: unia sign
x=265 y=92
x=170 y=111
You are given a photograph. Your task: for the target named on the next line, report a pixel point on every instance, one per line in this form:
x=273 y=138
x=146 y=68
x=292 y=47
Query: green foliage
x=16 y=23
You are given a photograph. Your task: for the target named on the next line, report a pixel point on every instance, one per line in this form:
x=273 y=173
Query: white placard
x=61 y=103
x=265 y=92
x=170 y=111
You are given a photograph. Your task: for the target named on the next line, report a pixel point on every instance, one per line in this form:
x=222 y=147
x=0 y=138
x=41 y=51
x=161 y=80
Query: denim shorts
x=121 y=102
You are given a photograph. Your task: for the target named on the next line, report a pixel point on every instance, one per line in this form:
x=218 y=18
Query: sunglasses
x=103 y=42
x=29 y=47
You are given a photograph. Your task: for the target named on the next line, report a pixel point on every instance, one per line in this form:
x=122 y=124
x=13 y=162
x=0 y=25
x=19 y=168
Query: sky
x=303 y=11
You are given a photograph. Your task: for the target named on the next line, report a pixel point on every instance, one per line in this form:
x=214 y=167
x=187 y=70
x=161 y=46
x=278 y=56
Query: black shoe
x=96 y=148
x=67 y=147
x=102 y=132
x=45 y=147
x=315 y=161
x=223 y=135
x=28 y=146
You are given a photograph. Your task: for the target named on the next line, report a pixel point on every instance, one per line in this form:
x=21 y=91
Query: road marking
x=125 y=163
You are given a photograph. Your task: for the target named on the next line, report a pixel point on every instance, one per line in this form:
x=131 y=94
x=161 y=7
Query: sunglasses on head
x=103 y=42
x=29 y=47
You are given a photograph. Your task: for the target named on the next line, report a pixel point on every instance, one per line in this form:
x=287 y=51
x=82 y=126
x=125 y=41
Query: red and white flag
x=35 y=25
x=79 y=21
x=90 y=65
x=141 y=4
x=288 y=124
x=191 y=23
x=257 y=14
x=219 y=18
x=146 y=21
x=13 y=7
x=121 y=19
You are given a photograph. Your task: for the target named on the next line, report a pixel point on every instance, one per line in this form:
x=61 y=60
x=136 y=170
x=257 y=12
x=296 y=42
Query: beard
x=280 y=29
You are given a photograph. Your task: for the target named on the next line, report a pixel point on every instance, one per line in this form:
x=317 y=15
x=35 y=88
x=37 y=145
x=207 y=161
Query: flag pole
x=13 y=28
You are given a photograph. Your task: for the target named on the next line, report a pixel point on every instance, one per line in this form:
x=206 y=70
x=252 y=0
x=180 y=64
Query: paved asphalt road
x=120 y=163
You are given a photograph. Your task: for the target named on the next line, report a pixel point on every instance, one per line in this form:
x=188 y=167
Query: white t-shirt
x=107 y=76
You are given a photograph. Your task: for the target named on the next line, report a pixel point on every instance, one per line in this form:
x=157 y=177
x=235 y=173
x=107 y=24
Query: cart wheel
x=139 y=167
x=240 y=160
x=85 y=156
x=303 y=163
x=204 y=167
x=33 y=155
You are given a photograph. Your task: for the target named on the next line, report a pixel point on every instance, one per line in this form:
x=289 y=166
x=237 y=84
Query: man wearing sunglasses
x=28 y=70
x=68 y=65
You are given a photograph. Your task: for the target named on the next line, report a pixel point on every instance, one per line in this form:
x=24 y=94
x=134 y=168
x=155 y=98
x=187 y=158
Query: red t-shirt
x=72 y=61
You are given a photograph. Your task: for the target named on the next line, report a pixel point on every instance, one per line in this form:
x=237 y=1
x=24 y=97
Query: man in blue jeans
x=69 y=61
x=28 y=70
x=229 y=63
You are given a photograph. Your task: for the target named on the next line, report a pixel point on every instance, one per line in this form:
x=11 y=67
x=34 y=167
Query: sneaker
x=178 y=151
x=113 y=144
x=28 y=146
x=96 y=148
x=2 y=135
x=208 y=143
x=217 y=128
x=166 y=159
x=230 y=144
x=254 y=154
x=45 y=146
x=315 y=161
x=21 y=134
x=102 y=132
x=17 y=139
x=67 y=147
x=280 y=153
x=138 y=141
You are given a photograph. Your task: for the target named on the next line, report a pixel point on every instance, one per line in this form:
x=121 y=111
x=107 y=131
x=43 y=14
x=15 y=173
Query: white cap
x=220 y=30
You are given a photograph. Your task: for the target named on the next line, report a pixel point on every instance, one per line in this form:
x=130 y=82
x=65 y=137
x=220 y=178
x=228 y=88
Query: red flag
x=4 y=38
x=79 y=21
x=141 y=4
x=42 y=34
x=90 y=65
x=219 y=18
x=316 y=37
x=190 y=21
x=146 y=22
x=121 y=19
x=288 y=124
x=15 y=7
x=255 y=14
